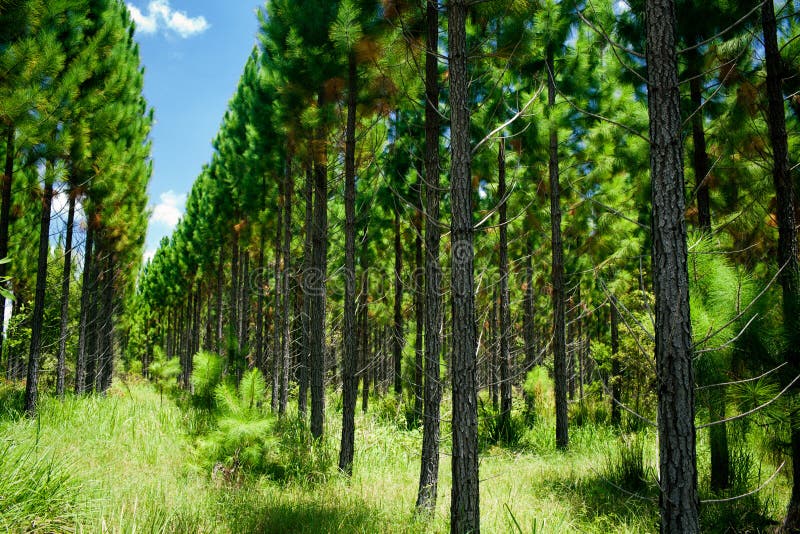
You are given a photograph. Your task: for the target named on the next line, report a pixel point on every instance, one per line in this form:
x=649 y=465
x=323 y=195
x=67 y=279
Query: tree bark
x=349 y=380
x=505 y=312
x=277 y=330
x=80 y=360
x=419 y=305
x=32 y=384
x=398 y=338
x=319 y=272
x=528 y=325
x=5 y=223
x=429 y=464
x=673 y=332
x=305 y=349
x=464 y=505
x=559 y=313
x=787 y=234
x=700 y=157
x=65 y=280
x=288 y=192
x=616 y=367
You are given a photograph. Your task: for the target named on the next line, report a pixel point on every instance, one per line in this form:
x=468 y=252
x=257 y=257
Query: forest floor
x=128 y=462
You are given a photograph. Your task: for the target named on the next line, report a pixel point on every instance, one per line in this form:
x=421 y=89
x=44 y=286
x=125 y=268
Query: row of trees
x=75 y=131
x=564 y=222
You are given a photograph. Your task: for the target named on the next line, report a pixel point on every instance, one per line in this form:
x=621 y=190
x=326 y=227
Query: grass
x=129 y=463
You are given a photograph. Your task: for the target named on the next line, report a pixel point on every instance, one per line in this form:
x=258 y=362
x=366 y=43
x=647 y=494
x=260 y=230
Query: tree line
x=75 y=139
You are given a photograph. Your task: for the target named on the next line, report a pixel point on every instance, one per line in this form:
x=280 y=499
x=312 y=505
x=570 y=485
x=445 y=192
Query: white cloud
x=622 y=6
x=160 y=15
x=148 y=255
x=170 y=210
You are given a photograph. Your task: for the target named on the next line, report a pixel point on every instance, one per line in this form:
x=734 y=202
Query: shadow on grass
x=245 y=510
x=597 y=501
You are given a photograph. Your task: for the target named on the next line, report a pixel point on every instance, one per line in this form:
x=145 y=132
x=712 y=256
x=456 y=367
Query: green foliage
x=164 y=371
x=537 y=392
x=206 y=376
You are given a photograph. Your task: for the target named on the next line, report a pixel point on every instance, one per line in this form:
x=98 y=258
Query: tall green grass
x=127 y=462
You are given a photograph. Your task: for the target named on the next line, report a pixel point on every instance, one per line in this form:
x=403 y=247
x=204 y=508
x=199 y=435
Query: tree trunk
x=32 y=385
x=277 y=330
x=505 y=312
x=65 y=280
x=700 y=158
x=398 y=338
x=673 y=332
x=349 y=381
x=83 y=327
x=244 y=314
x=260 y=298
x=220 y=266
x=419 y=305
x=363 y=334
x=464 y=505
x=528 y=325
x=107 y=332
x=787 y=234
x=306 y=284
x=616 y=367
x=429 y=465
x=288 y=192
x=492 y=357
x=319 y=272
x=230 y=342
x=559 y=320
x=5 y=222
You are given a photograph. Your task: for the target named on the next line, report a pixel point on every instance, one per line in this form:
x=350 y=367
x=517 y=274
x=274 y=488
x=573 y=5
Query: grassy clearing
x=129 y=463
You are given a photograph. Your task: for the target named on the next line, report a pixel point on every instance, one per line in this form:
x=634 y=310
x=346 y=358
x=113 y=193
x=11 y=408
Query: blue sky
x=193 y=52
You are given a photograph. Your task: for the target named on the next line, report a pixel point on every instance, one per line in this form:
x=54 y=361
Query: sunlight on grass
x=127 y=463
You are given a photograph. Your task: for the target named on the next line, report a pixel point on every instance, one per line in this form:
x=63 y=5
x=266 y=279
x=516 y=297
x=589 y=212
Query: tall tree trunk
x=93 y=318
x=492 y=357
x=86 y=293
x=319 y=272
x=32 y=385
x=505 y=312
x=262 y=238
x=528 y=325
x=65 y=280
x=305 y=348
x=464 y=505
x=220 y=281
x=107 y=333
x=559 y=319
x=288 y=192
x=419 y=305
x=276 y=321
x=616 y=367
x=787 y=234
x=230 y=342
x=398 y=337
x=700 y=157
x=363 y=333
x=244 y=315
x=349 y=380
x=673 y=332
x=5 y=223
x=429 y=464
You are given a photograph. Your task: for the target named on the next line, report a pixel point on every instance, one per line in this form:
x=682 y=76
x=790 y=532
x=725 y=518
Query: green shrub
x=537 y=391
x=206 y=375
x=493 y=431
